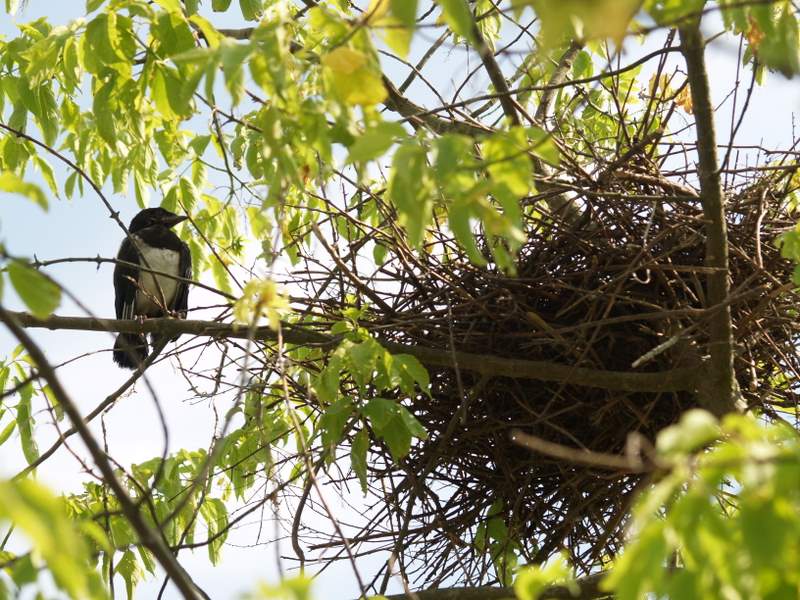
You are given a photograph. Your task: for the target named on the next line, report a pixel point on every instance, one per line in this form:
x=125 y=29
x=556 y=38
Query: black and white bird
x=140 y=293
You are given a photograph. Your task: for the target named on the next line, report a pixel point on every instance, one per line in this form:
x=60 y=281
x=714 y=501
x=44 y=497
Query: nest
x=600 y=293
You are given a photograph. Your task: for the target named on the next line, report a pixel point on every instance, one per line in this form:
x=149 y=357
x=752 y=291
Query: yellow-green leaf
x=458 y=16
x=12 y=183
x=353 y=77
x=38 y=292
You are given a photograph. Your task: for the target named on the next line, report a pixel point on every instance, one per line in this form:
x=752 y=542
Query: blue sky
x=82 y=227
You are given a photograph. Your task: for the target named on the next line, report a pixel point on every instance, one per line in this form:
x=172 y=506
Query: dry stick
x=149 y=537
x=673 y=380
x=581 y=456
x=719 y=393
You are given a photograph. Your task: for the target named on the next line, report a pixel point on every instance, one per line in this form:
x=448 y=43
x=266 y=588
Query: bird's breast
x=156 y=291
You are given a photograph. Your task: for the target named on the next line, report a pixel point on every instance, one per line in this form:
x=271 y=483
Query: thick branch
x=496 y=76
x=719 y=394
x=149 y=537
x=585 y=588
x=493 y=366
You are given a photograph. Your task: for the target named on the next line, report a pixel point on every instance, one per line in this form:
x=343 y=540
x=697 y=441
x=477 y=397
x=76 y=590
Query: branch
x=585 y=588
x=720 y=390
x=149 y=537
x=680 y=379
x=507 y=101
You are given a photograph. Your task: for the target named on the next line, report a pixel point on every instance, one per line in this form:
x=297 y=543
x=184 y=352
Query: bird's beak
x=174 y=220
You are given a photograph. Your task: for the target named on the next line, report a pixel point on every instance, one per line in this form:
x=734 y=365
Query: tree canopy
x=483 y=304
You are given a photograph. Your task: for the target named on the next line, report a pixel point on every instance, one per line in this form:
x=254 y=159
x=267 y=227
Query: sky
x=82 y=228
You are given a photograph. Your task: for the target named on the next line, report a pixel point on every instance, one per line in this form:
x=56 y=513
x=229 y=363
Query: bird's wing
x=125 y=279
x=181 y=305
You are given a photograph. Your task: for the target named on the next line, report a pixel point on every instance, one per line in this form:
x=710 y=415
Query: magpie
x=139 y=293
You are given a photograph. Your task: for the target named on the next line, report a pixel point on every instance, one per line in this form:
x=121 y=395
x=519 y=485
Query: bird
x=139 y=293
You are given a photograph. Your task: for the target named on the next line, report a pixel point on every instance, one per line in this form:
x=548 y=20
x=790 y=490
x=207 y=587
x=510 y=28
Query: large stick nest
x=599 y=293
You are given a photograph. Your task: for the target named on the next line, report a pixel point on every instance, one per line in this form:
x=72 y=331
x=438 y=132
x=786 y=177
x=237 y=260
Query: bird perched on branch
x=151 y=290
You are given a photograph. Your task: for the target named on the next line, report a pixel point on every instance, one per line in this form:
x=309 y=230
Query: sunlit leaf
x=38 y=292
x=12 y=183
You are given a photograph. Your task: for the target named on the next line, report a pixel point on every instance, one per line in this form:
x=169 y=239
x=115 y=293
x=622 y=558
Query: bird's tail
x=130 y=350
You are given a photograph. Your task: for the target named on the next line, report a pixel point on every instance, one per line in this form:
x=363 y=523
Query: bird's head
x=150 y=217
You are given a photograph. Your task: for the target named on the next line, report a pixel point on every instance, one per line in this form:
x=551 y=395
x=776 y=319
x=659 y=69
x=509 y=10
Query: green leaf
x=234 y=57
x=353 y=77
x=458 y=16
x=543 y=145
x=409 y=192
x=375 y=142
x=358 y=457
x=38 y=292
x=411 y=372
x=215 y=514
x=128 y=568
x=220 y=5
x=506 y=156
x=7 y=431
x=695 y=429
x=411 y=423
x=25 y=424
x=47 y=173
x=221 y=277
x=170 y=5
x=252 y=10
x=394 y=424
x=333 y=421
x=42 y=518
x=10 y=182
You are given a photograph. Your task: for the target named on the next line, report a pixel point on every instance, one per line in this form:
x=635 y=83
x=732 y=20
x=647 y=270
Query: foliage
x=250 y=132
x=721 y=520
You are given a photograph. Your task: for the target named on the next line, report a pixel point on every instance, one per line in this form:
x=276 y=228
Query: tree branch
x=720 y=389
x=681 y=379
x=585 y=588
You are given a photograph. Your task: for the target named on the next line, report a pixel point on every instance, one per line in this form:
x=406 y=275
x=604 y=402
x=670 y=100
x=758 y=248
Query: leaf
x=354 y=78
x=128 y=568
x=394 y=424
x=252 y=10
x=38 y=292
x=173 y=6
x=507 y=160
x=332 y=423
x=411 y=372
x=10 y=182
x=458 y=16
x=234 y=56
x=215 y=514
x=395 y=20
x=408 y=190
x=42 y=518
x=25 y=425
x=47 y=173
x=375 y=142
x=695 y=429
x=7 y=431
x=221 y=278
x=598 y=19
x=411 y=423
x=220 y=5
x=358 y=457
